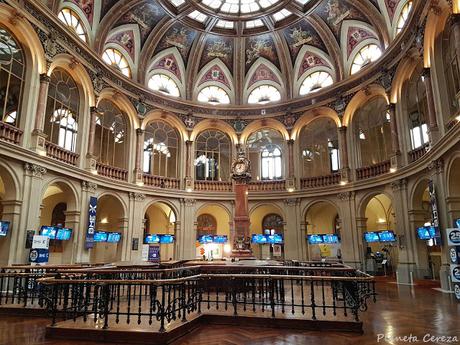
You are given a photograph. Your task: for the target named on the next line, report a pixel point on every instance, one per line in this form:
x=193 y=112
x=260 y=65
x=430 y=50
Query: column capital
x=139 y=131
x=290 y=141
x=94 y=110
x=45 y=78
x=292 y=201
x=392 y=107
x=34 y=170
x=426 y=73
x=343 y=128
x=188 y=202
x=88 y=186
x=136 y=196
x=189 y=142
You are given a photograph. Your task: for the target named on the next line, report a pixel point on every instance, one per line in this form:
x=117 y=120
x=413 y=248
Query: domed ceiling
x=240 y=45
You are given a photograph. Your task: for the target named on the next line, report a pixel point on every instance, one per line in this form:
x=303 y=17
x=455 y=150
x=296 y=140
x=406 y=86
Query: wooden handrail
x=61 y=154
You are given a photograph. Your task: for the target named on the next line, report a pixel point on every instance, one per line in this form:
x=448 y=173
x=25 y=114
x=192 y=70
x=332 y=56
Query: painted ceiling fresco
x=326 y=34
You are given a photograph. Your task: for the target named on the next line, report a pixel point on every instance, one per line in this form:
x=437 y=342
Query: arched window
x=273 y=223
x=315 y=82
x=164 y=84
x=71 y=19
x=212 y=156
x=111 y=139
x=264 y=94
x=12 y=68
x=61 y=124
x=371 y=126
x=161 y=143
x=206 y=225
x=265 y=149
x=58 y=214
x=365 y=56
x=213 y=95
x=403 y=17
x=417 y=108
x=451 y=73
x=319 y=148
x=116 y=59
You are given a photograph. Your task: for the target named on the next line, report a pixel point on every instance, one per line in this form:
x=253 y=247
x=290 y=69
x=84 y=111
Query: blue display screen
x=100 y=236
x=205 y=239
x=259 y=239
x=48 y=231
x=152 y=239
x=4 y=227
x=315 y=239
x=371 y=237
x=166 y=239
x=457 y=223
x=331 y=239
x=113 y=237
x=275 y=239
x=220 y=239
x=387 y=236
x=426 y=232
x=64 y=234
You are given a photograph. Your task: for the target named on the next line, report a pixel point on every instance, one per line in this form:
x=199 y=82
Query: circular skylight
x=238 y=6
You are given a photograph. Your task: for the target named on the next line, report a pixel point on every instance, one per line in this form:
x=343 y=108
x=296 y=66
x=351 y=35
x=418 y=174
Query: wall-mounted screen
x=49 y=231
x=275 y=239
x=63 y=234
x=371 y=237
x=166 y=239
x=100 y=236
x=220 y=239
x=4 y=228
x=259 y=239
x=152 y=239
x=315 y=239
x=205 y=239
x=387 y=236
x=331 y=239
x=113 y=237
x=426 y=232
x=457 y=223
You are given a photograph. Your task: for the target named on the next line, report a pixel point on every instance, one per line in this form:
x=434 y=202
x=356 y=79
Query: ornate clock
x=241 y=166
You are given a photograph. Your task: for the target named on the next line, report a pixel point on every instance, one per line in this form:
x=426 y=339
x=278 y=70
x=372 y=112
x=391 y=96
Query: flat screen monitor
x=205 y=239
x=220 y=239
x=426 y=232
x=331 y=239
x=259 y=239
x=387 y=236
x=4 y=228
x=457 y=223
x=113 y=237
x=49 y=231
x=100 y=236
x=371 y=237
x=152 y=239
x=315 y=239
x=63 y=234
x=166 y=239
x=275 y=239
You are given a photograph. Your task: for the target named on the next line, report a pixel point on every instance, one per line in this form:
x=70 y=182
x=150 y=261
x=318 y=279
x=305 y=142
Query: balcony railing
x=161 y=182
x=213 y=186
x=112 y=172
x=10 y=133
x=260 y=186
x=418 y=153
x=320 y=181
x=373 y=170
x=60 y=154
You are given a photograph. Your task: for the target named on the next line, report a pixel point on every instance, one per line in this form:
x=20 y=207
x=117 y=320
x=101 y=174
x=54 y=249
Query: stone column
x=188 y=167
x=456 y=33
x=290 y=181
x=343 y=149
x=139 y=155
x=188 y=231
x=416 y=220
x=350 y=238
x=83 y=255
x=72 y=221
x=90 y=156
x=432 y=121
x=292 y=234
x=137 y=221
x=396 y=150
x=361 y=227
x=305 y=254
x=12 y=214
x=38 y=137
x=124 y=253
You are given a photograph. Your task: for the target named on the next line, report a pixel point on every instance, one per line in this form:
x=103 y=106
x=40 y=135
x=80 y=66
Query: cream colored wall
x=221 y=215
x=159 y=224
x=256 y=217
x=321 y=218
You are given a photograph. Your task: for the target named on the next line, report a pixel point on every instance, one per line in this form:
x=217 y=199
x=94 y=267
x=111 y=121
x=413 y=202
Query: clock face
x=240 y=168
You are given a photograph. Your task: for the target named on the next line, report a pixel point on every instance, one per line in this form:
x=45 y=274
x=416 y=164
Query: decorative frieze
x=436 y=166
x=346 y=196
x=292 y=202
x=399 y=185
x=137 y=196
x=34 y=170
x=188 y=202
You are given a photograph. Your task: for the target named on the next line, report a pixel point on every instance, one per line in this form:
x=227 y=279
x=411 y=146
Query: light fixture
x=140 y=183
x=393 y=170
x=104 y=220
x=189 y=190
x=427 y=224
x=362 y=136
x=213 y=101
x=94 y=172
x=264 y=100
x=227 y=249
x=290 y=190
x=343 y=183
x=458 y=118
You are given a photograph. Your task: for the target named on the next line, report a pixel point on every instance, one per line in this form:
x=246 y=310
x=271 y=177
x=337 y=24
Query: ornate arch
x=435 y=24
x=309 y=205
x=220 y=125
x=201 y=81
x=81 y=16
x=261 y=124
x=68 y=187
x=403 y=73
x=118 y=197
x=123 y=103
x=169 y=118
x=251 y=81
x=12 y=180
x=313 y=115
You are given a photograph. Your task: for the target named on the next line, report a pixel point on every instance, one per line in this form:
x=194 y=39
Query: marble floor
x=413 y=312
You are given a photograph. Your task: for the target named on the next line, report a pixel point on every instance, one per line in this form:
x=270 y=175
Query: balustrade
x=320 y=181
x=111 y=172
x=418 y=153
x=10 y=133
x=373 y=170
x=213 y=186
x=60 y=154
x=260 y=186
x=161 y=182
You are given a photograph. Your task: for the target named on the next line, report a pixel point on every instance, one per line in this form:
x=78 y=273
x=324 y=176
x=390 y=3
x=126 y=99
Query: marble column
x=140 y=135
x=136 y=216
x=343 y=149
x=188 y=165
x=11 y=213
x=90 y=156
x=72 y=221
x=432 y=120
x=290 y=181
x=83 y=255
x=396 y=150
x=38 y=137
x=292 y=233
